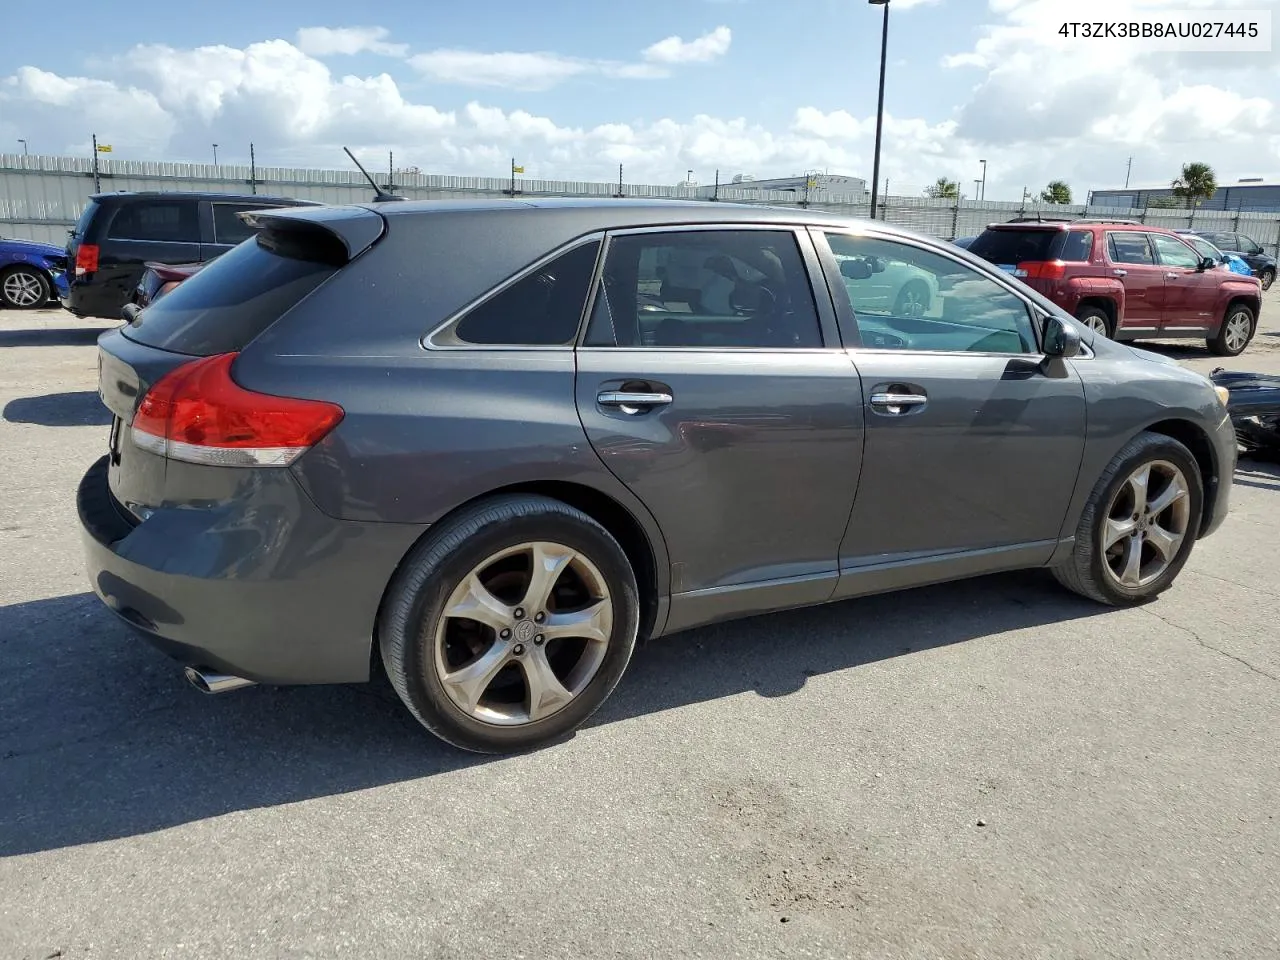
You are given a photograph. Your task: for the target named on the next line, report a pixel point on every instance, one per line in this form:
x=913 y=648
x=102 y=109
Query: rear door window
x=228 y=228
x=1130 y=248
x=173 y=220
x=1078 y=247
x=1014 y=246
x=240 y=294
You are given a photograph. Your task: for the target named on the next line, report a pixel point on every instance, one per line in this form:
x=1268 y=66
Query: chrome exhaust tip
x=214 y=682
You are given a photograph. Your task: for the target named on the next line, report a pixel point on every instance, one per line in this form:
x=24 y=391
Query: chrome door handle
x=1119 y=273
x=633 y=401
x=898 y=402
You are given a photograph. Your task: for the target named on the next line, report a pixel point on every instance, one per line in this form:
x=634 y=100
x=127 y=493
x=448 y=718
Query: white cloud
x=707 y=47
x=327 y=41
x=521 y=71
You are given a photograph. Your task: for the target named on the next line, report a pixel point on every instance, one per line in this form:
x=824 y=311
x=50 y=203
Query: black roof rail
x=1040 y=219
x=1136 y=223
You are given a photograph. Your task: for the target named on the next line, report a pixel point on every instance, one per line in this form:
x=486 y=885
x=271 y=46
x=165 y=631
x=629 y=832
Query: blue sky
x=765 y=87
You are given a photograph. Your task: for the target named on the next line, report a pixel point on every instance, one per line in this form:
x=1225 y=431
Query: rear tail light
x=1041 y=270
x=86 y=259
x=198 y=414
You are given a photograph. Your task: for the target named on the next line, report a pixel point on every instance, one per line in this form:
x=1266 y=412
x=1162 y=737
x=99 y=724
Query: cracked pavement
x=988 y=769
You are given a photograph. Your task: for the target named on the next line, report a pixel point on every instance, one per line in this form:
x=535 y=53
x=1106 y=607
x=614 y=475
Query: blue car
x=31 y=273
x=1206 y=249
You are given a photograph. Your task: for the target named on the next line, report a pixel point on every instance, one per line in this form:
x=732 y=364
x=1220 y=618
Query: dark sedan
x=492 y=443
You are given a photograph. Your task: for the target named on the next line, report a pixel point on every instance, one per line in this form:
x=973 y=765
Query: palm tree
x=944 y=189
x=1197 y=183
x=1056 y=192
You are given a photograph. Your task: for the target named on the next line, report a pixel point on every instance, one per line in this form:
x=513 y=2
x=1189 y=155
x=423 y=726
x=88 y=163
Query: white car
x=894 y=288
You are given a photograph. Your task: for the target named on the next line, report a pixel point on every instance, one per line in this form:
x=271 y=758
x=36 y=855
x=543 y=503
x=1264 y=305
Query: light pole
x=215 y=154
x=884 y=48
x=984 y=178
x=24 y=147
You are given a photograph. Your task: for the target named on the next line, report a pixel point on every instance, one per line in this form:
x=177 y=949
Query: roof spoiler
x=356 y=228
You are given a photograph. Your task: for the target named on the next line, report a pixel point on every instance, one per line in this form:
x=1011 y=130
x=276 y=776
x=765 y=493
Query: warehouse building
x=1251 y=195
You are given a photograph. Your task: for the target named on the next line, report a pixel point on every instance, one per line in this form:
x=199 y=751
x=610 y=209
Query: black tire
x=1266 y=278
x=1222 y=343
x=421 y=587
x=1092 y=316
x=920 y=290
x=1085 y=572
x=19 y=278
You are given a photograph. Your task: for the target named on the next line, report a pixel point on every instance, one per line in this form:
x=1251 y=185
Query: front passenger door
x=973 y=438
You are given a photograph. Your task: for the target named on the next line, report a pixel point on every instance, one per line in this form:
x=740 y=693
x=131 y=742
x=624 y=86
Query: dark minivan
x=118 y=233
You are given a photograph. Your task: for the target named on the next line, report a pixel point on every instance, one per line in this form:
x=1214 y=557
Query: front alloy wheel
x=1146 y=524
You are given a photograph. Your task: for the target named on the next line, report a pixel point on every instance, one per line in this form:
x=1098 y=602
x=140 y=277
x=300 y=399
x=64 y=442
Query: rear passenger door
x=1132 y=259
x=165 y=228
x=712 y=383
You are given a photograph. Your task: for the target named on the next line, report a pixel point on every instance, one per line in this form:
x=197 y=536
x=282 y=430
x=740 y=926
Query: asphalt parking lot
x=989 y=769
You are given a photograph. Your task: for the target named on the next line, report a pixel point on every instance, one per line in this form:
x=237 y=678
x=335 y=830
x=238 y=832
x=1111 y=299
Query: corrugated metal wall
x=41 y=196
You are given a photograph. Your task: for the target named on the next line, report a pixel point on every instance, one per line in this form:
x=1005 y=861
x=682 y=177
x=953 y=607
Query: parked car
x=31 y=273
x=1248 y=249
x=1254 y=405
x=157 y=280
x=118 y=233
x=456 y=437
x=1128 y=281
x=1206 y=249
x=964 y=243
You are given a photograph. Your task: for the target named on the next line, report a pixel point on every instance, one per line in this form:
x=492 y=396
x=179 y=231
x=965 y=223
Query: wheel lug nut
x=538 y=640
x=519 y=613
x=539 y=616
x=519 y=649
x=505 y=634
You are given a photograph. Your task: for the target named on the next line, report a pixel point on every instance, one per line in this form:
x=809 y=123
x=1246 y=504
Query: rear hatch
x=1024 y=251
x=178 y=355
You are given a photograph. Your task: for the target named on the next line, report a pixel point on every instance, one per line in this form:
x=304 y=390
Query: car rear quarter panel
x=1077 y=289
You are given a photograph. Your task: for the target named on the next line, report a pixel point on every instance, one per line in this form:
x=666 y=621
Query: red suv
x=1128 y=281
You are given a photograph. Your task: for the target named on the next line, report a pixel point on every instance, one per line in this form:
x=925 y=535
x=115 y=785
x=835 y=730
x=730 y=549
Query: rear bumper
x=268 y=588
x=88 y=299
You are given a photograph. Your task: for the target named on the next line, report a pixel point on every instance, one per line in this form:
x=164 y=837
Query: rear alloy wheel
x=509 y=627
x=1139 y=525
x=1235 y=333
x=1096 y=319
x=913 y=301
x=23 y=288
x=1267 y=277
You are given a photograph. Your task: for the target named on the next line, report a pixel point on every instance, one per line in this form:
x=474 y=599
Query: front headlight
x=1224 y=395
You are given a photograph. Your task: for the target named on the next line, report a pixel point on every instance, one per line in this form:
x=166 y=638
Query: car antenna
x=379 y=195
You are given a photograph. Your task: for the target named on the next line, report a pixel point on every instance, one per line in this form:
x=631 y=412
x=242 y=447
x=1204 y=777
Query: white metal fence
x=42 y=196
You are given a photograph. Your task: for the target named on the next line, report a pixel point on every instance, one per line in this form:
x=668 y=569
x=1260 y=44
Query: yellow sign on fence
x=104 y=148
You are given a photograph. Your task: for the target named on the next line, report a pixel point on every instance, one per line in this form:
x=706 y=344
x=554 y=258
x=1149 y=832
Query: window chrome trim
x=438 y=337
x=794 y=229
x=994 y=274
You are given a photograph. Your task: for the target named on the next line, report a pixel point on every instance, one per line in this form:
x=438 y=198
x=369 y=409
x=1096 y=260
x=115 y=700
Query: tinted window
x=172 y=220
x=1247 y=245
x=707 y=288
x=86 y=217
x=1013 y=246
x=1223 y=241
x=1174 y=253
x=240 y=294
x=1203 y=247
x=542 y=309
x=229 y=228
x=907 y=298
x=1079 y=246
x=1130 y=248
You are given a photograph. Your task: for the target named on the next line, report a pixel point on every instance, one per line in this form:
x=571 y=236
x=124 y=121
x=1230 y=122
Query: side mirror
x=877 y=265
x=1060 y=339
x=855 y=269
x=1207 y=263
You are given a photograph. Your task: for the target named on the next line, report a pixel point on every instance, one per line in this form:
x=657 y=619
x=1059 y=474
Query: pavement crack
x=1209 y=646
x=1234 y=583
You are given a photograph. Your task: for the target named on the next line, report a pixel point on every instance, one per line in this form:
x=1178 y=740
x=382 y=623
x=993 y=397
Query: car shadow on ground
x=75 y=409
x=100 y=738
x=51 y=337
x=1260 y=472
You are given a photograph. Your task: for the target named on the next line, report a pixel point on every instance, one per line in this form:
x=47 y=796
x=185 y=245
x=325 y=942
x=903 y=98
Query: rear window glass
x=82 y=225
x=1016 y=246
x=240 y=294
x=228 y=227
x=176 y=221
x=1079 y=246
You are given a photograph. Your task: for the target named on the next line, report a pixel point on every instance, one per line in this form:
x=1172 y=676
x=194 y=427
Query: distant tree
x=1056 y=192
x=944 y=189
x=1197 y=183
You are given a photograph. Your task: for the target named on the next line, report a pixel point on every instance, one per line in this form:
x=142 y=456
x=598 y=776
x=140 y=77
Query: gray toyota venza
x=493 y=443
